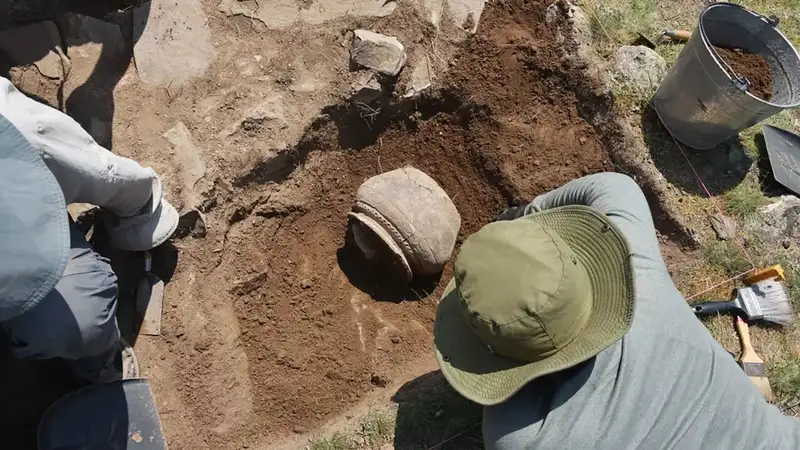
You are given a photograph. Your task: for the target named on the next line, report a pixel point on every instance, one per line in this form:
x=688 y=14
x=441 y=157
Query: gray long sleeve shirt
x=667 y=384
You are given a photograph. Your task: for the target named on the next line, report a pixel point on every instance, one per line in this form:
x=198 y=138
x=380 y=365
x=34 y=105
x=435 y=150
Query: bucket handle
x=742 y=83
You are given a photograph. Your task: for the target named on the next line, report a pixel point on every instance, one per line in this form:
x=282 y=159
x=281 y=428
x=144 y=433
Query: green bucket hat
x=530 y=297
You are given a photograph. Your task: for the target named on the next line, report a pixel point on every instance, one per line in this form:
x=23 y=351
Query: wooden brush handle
x=748 y=352
x=679 y=35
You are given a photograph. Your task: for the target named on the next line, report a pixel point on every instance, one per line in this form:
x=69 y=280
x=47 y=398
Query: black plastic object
x=118 y=415
x=783 y=148
x=714 y=308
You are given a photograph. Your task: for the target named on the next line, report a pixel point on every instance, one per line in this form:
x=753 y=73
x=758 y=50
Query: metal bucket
x=701 y=103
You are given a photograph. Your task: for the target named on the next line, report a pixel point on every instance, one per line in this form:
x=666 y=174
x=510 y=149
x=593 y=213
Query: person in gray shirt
x=57 y=295
x=563 y=321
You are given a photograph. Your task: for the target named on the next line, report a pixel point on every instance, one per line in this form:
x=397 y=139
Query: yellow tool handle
x=775 y=272
x=678 y=35
x=748 y=352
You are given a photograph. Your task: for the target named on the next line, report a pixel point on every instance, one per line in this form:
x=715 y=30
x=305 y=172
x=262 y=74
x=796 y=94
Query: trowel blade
x=149 y=304
x=783 y=148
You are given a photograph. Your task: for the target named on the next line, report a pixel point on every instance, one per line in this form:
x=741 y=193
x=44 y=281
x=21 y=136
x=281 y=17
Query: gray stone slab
x=172 y=42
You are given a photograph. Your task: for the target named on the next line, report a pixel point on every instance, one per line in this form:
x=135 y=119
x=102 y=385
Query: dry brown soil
x=317 y=327
x=273 y=325
x=752 y=66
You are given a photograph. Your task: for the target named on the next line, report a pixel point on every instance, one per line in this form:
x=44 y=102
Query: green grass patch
x=785 y=378
x=338 y=441
x=371 y=433
x=750 y=137
x=617 y=22
x=744 y=200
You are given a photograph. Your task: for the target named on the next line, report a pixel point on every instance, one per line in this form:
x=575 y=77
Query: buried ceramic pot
x=411 y=215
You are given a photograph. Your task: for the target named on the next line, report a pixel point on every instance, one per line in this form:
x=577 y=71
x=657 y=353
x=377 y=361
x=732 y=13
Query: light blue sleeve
x=620 y=198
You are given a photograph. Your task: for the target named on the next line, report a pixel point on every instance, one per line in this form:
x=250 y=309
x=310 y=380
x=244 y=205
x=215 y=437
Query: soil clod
x=752 y=66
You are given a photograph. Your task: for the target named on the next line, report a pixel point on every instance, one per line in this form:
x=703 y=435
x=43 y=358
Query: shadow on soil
x=721 y=168
x=430 y=412
x=92 y=103
x=381 y=278
x=349 y=120
x=769 y=185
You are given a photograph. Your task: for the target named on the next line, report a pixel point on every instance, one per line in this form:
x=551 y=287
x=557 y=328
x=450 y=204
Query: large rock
x=778 y=221
x=639 y=68
x=384 y=54
x=173 y=41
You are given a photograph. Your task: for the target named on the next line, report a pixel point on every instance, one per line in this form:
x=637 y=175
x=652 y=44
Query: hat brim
x=488 y=378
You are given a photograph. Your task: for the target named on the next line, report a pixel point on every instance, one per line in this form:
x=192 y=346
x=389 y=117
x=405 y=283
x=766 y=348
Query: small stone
x=439 y=412
x=191 y=223
x=467 y=13
x=420 y=79
x=366 y=89
x=384 y=54
x=379 y=380
x=396 y=339
x=257 y=58
x=201 y=345
x=386 y=9
x=723 y=226
x=583 y=140
x=305 y=283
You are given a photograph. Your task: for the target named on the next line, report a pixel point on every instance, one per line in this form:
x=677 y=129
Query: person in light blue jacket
x=57 y=295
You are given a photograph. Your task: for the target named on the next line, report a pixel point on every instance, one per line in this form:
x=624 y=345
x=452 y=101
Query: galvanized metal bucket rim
x=717 y=58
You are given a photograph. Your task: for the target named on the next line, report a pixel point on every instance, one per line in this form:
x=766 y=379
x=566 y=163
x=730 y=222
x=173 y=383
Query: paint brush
x=751 y=363
x=766 y=300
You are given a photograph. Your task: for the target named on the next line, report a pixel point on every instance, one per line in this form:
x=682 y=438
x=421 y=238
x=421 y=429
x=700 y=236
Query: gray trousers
x=76 y=320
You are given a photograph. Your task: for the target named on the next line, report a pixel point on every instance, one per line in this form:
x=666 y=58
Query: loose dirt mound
x=752 y=66
x=317 y=328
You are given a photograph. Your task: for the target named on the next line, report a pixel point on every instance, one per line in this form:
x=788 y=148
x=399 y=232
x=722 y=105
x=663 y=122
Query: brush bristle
x=774 y=301
x=762 y=383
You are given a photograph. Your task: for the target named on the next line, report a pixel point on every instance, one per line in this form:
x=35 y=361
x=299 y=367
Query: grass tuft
x=744 y=200
x=785 y=378
x=338 y=441
x=374 y=430
x=726 y=255
x=377 y=429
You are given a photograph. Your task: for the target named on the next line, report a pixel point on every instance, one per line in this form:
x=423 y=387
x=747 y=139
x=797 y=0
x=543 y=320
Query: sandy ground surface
x=273 y=325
